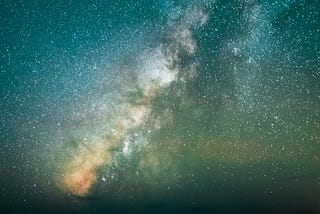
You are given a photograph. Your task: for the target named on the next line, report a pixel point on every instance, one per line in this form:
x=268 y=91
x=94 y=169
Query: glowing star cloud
x=156 y=73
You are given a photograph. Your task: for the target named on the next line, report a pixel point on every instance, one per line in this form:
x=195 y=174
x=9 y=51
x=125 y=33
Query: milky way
x=158 y=72
x=157 y=106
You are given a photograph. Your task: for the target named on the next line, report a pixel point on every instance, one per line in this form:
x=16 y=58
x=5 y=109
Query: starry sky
x=160 y=106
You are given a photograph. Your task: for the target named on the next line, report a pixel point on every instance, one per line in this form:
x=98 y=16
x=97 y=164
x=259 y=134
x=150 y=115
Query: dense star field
x=160 y=106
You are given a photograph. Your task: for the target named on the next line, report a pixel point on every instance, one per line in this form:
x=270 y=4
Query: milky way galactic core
x=160 y=106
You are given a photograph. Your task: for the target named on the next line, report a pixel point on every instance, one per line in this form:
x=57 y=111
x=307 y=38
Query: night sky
x=160 y=106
